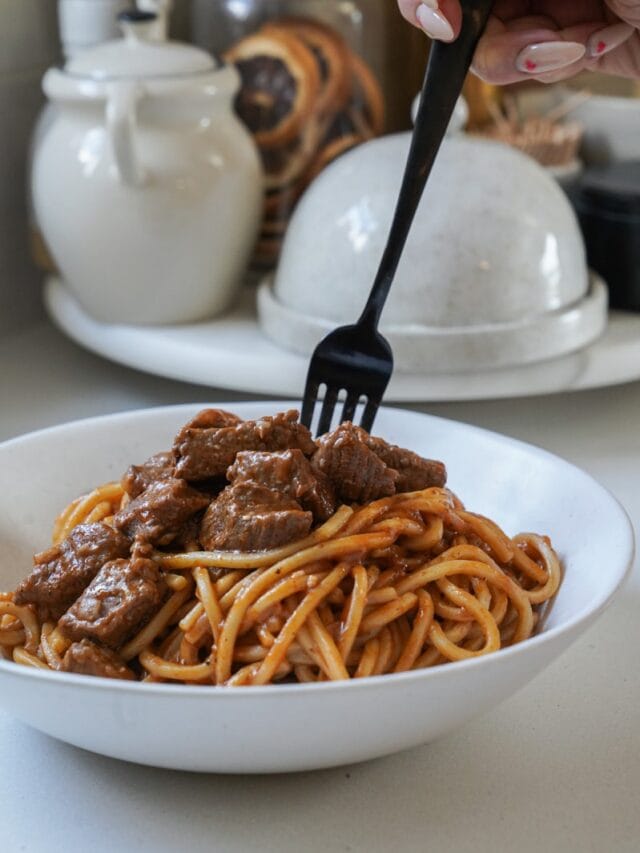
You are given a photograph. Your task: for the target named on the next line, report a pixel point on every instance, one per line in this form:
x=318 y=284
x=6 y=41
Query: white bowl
x=303 y=727
x=493 y=274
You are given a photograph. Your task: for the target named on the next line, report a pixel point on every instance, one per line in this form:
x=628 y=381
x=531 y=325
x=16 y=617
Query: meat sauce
x=226 y=484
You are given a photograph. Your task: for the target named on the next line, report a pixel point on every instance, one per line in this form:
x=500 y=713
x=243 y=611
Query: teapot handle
x=121 y=119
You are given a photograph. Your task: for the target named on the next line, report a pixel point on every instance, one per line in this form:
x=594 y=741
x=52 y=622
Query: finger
x=627 y=11
x=623 y=61
x=439 y=19
x=408 y=10
x=510 y=10
x=532 y=22
x=604 y=40
x=516 y=55
x=593 y=36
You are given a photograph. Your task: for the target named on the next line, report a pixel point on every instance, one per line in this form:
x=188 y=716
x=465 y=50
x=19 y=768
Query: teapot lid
x=141 y=54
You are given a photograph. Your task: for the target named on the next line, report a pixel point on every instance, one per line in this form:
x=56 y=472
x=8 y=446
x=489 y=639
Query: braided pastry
x=280 y=85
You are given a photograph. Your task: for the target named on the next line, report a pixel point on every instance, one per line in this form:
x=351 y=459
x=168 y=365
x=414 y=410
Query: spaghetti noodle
x=404 y=582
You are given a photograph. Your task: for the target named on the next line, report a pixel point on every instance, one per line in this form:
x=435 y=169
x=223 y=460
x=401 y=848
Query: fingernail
x=434 y=22
x=549 y=56
x=608 y=39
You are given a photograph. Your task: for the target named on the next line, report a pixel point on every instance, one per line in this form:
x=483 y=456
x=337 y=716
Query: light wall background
x=28 y=45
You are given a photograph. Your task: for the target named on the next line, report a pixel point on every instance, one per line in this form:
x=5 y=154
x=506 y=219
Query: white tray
x=232 y=353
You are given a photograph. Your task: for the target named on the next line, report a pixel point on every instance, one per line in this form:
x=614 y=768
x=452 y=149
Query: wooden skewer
x=562 y=110
x=542 y=137
x=496 y=114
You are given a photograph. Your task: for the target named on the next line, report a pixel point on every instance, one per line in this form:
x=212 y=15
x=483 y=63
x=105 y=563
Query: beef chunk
x=208 y=419
x=88 y=659
x=160 y=511
x=62 y=572
x=353 y=469
x=208 y=452
x=363 y=468
x=415 y=473
x=139 y=477
x=289 y=473
x=119 y=600
x=249 y=517
x=188 y=539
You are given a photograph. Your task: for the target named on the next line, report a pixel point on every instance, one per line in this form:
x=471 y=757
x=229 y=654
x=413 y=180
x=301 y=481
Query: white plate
x=231 y=352
x=303 y=727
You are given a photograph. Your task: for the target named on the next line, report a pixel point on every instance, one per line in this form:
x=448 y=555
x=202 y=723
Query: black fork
x=358 y=359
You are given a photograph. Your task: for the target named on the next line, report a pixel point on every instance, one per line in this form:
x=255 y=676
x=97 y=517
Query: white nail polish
x=434 y=23
x=601 y=42
x=549 y=56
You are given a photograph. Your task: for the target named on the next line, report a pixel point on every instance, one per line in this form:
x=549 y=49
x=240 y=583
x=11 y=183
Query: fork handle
x=448 y=66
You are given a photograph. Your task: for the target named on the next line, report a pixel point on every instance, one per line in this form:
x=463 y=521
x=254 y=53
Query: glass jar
x=316 y=77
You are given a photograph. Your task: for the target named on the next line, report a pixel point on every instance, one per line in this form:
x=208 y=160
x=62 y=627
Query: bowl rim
x=626 y=549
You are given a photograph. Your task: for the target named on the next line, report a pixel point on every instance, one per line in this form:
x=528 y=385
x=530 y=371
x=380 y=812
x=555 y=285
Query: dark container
x=607 y=202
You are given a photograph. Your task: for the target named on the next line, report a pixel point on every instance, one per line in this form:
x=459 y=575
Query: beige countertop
x=555 y=768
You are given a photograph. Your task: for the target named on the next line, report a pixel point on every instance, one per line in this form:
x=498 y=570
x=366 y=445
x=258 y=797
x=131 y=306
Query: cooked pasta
x=408 y=581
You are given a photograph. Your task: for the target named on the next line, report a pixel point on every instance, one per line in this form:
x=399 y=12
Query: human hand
x=545 y=40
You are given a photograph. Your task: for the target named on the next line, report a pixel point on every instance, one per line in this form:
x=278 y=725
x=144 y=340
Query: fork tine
x=328 y=406
x=369 y=414
x=309 y=402
x=350 y=406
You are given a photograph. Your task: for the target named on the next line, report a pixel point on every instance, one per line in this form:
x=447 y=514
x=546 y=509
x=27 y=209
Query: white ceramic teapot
x=146 y=186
